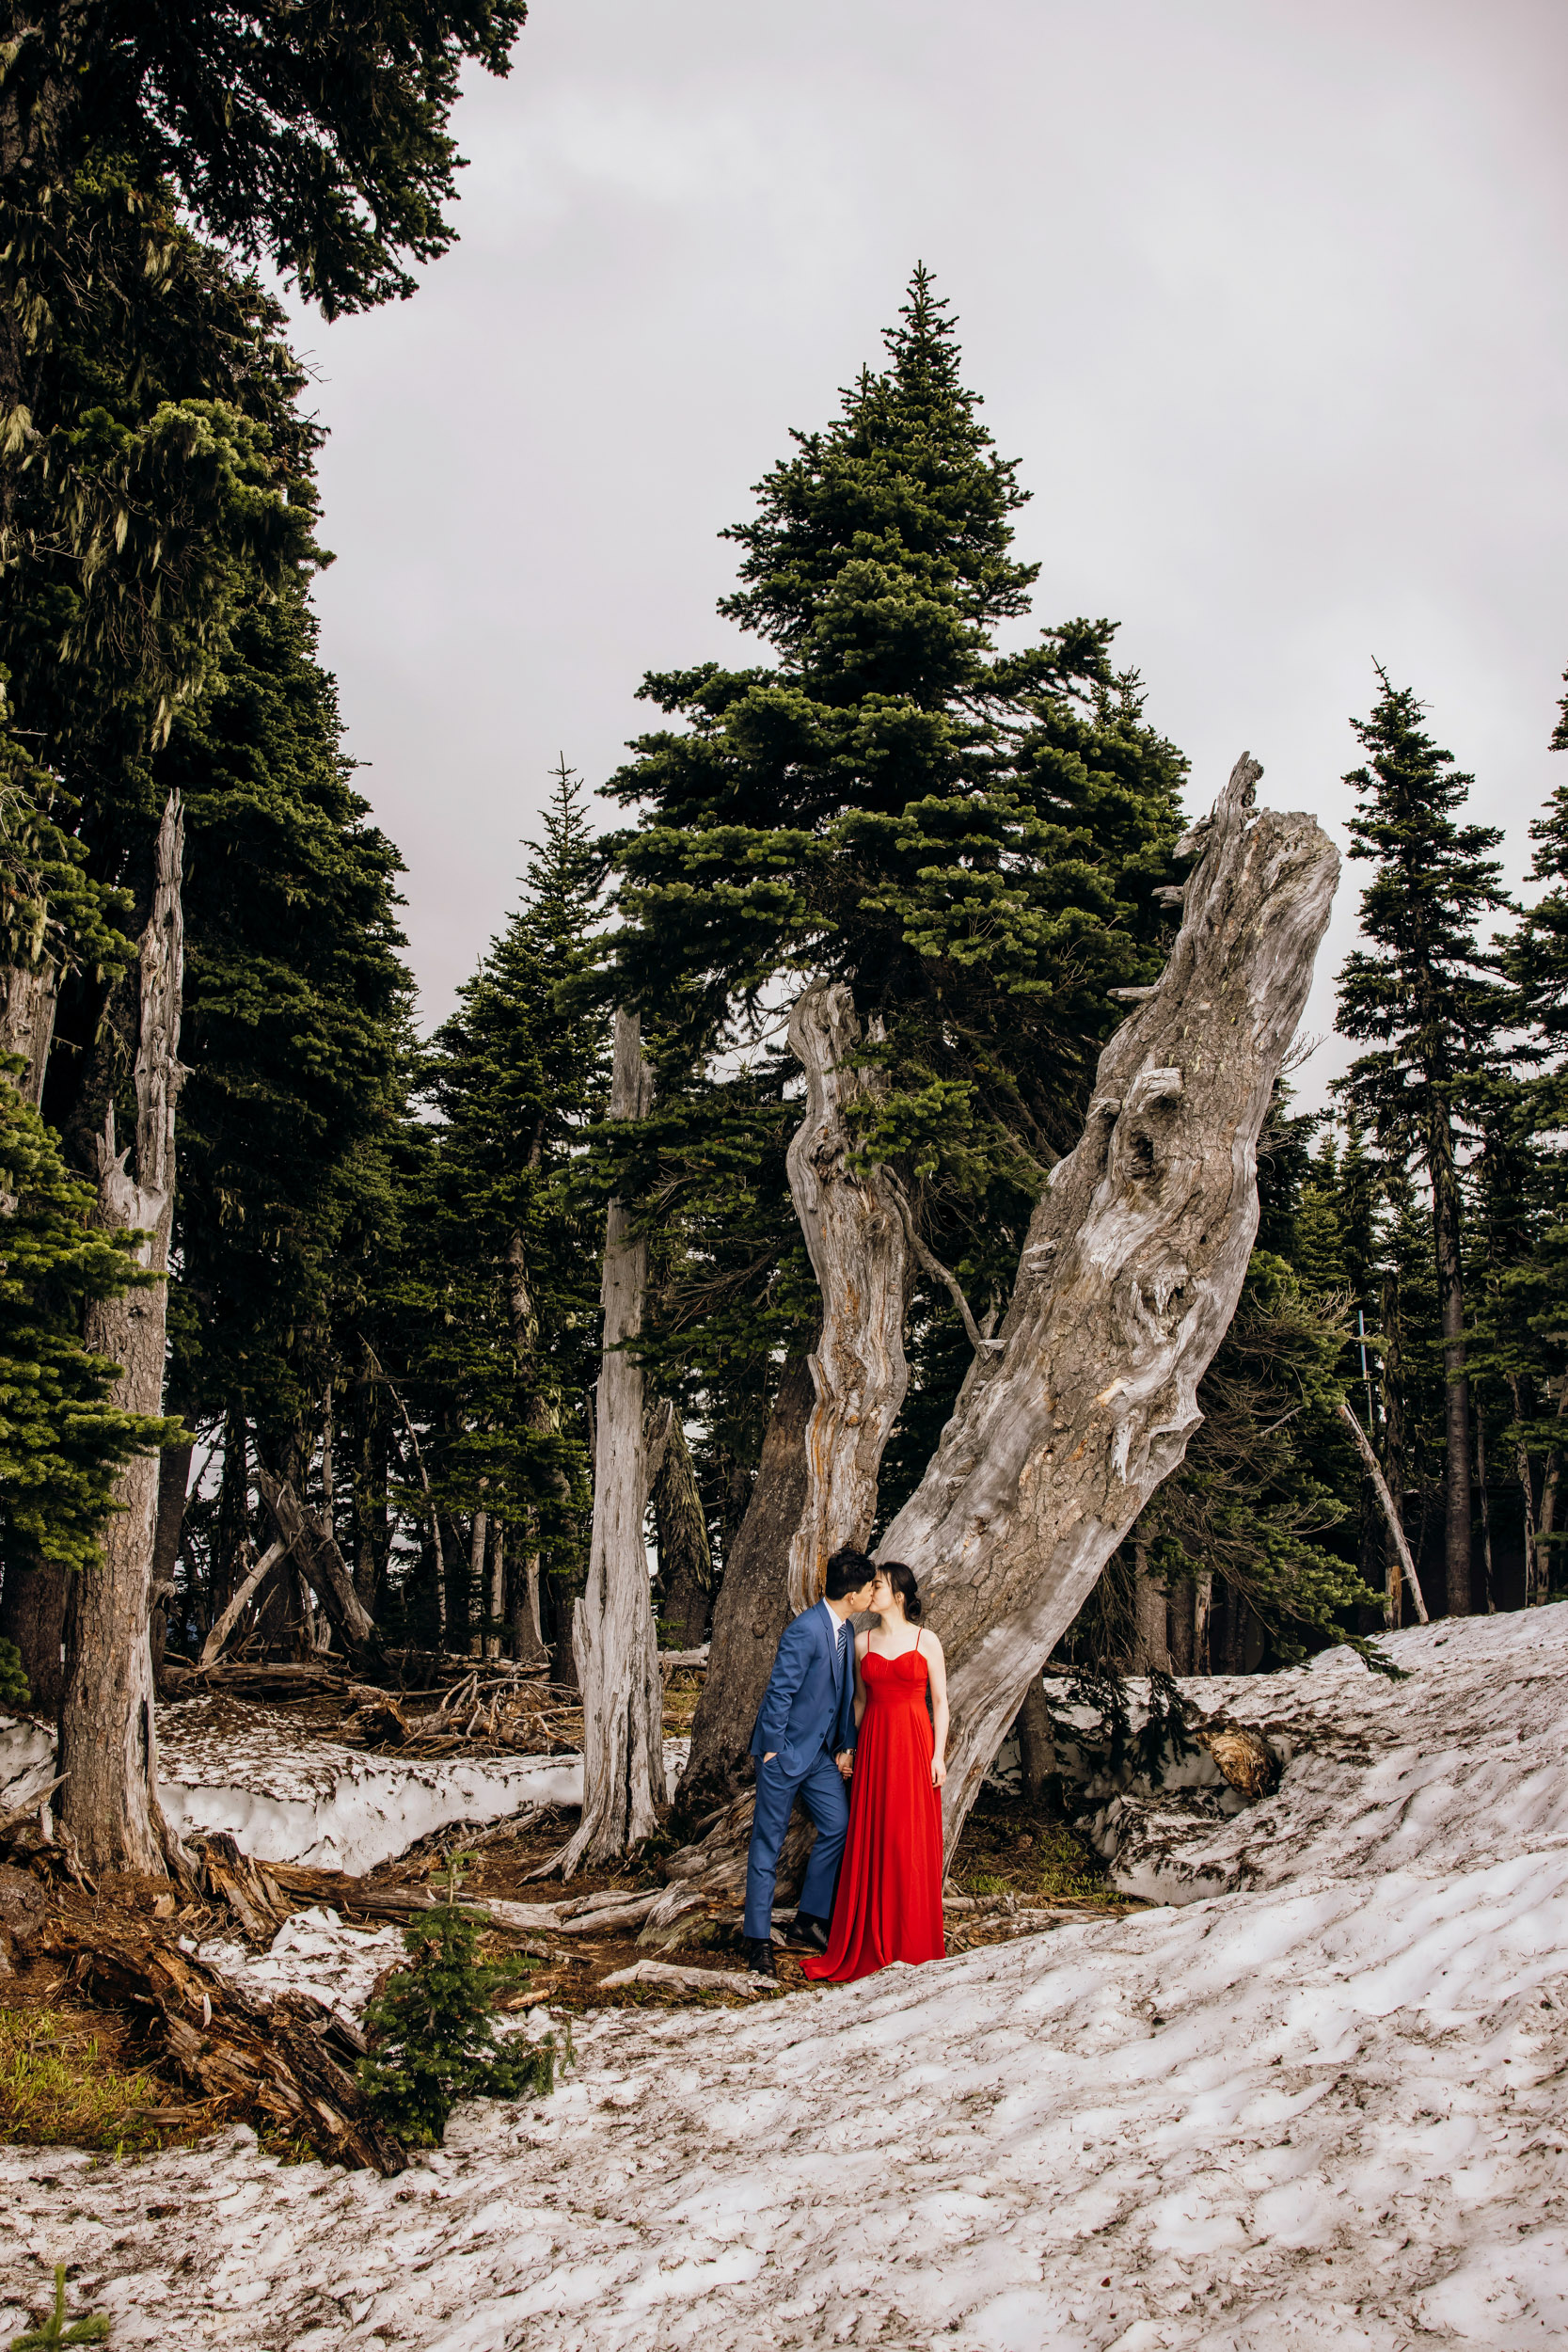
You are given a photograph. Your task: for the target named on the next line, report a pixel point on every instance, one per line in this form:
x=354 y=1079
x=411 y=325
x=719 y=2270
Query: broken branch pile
x=284 y=2064
x=504 y=1709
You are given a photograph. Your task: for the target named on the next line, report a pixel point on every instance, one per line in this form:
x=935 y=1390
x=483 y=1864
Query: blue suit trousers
x=821 y=1788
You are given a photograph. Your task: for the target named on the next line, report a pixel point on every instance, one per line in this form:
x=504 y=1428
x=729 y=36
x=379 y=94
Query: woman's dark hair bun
x=903 y=1582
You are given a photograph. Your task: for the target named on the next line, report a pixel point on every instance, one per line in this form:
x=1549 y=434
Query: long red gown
x=888 y=1902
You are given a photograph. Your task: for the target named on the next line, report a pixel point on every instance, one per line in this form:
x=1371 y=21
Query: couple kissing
x=854 y=1725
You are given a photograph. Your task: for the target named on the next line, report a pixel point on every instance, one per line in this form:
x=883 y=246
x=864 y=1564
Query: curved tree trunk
x=753 y=1607
x=613 y=1642
x=108 y=1747
x=1130 y=1274
x=859 y=1248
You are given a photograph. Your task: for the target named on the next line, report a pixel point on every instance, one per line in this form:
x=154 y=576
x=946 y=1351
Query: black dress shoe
x=758 y=1957
x=806 y=1933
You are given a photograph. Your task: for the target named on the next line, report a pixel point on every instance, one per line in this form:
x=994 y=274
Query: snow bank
x=1326 y=2109
x=289 y=1798
x=27 y=1761
x=312 y=1952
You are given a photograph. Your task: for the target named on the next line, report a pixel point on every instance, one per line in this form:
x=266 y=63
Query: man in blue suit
x=804 y=1743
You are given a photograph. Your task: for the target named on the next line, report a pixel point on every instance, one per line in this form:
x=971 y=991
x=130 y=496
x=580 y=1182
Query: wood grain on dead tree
x=1129 y=1277
x=613 y=1642
x=108 y=1746
x=856 y=1236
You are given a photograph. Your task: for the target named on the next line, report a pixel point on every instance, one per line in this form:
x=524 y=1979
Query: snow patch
x=1328 y=2109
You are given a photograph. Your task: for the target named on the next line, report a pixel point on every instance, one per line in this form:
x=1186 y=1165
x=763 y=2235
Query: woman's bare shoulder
x=929 y=1642
x=862 y=1642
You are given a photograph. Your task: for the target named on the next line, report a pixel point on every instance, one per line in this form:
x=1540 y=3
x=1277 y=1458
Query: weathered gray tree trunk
x=859 y=1248
x=107 y=1746
x=753 y=1607
x=528 y=1639
x=613 y=1643
x=1129 y=1277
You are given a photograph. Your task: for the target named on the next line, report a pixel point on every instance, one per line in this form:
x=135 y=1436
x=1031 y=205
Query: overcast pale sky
x=1268 y=298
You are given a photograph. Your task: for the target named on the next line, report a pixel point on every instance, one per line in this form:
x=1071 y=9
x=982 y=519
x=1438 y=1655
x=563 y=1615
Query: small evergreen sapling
x=54 y=2331
x=432 y=2037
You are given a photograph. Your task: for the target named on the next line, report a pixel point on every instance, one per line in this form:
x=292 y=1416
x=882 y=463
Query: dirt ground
x=72 y=2072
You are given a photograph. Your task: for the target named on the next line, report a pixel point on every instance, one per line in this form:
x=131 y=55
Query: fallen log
x=271 y=2059
x=685 y=1979
x=246 y=1886
x=212 y=1647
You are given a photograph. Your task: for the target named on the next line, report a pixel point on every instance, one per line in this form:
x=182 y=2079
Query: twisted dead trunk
x=613 y=1642
x=859 y=1247
x=1130 y=1274
x=108 y=1747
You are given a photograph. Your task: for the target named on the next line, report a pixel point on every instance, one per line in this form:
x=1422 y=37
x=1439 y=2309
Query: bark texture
x=613 y=1643
x=753 y=1607
x=107 y=1743
x=855 y=1233
x=1129 y=1277
x=1152 y=1619
x=685 y=1557
x=32 y=1615
x=28 y=996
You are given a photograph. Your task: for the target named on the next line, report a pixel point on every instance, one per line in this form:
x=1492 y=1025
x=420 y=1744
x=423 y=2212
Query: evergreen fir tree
x=431 y=2034
x=971 y=838
x=1424 y=995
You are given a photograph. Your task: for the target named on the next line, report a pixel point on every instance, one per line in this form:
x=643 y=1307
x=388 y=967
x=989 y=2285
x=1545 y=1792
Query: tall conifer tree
x=1425 y=997
x=971 y=838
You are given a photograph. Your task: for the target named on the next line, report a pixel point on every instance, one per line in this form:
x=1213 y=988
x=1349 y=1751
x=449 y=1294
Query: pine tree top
x=905 y=493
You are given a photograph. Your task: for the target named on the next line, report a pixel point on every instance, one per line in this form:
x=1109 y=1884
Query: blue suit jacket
x=810 y=1700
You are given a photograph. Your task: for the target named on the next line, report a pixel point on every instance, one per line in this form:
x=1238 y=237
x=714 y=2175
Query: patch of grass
x=1015 y=1849
x=57 y=2088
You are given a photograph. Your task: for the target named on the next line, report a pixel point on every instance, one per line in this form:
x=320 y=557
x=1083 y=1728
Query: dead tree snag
x=1130 y=1274
x=856 y=1234
x=108 y=1750
x=613 y=1642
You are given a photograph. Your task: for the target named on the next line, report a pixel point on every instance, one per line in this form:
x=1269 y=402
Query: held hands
x=938 y=1772
x=846 y=1762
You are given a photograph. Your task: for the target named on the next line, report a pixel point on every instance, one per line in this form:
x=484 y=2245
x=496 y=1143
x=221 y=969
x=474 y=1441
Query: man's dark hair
x=847 y=1570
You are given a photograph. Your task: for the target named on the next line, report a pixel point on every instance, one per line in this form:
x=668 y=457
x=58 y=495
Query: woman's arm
x=862 y=1642
x=937 y=1666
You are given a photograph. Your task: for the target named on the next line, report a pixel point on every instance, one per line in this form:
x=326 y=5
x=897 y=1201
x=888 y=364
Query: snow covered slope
x=1325 y=2109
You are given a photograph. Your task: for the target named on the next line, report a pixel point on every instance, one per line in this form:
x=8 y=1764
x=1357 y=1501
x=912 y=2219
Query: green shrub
x=13 y=1682
x=432 y=2038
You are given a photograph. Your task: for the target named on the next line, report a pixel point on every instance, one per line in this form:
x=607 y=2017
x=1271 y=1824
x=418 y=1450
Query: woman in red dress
x=889 y=1901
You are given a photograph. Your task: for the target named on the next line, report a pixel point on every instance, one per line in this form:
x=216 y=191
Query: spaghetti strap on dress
x=888 y=1902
